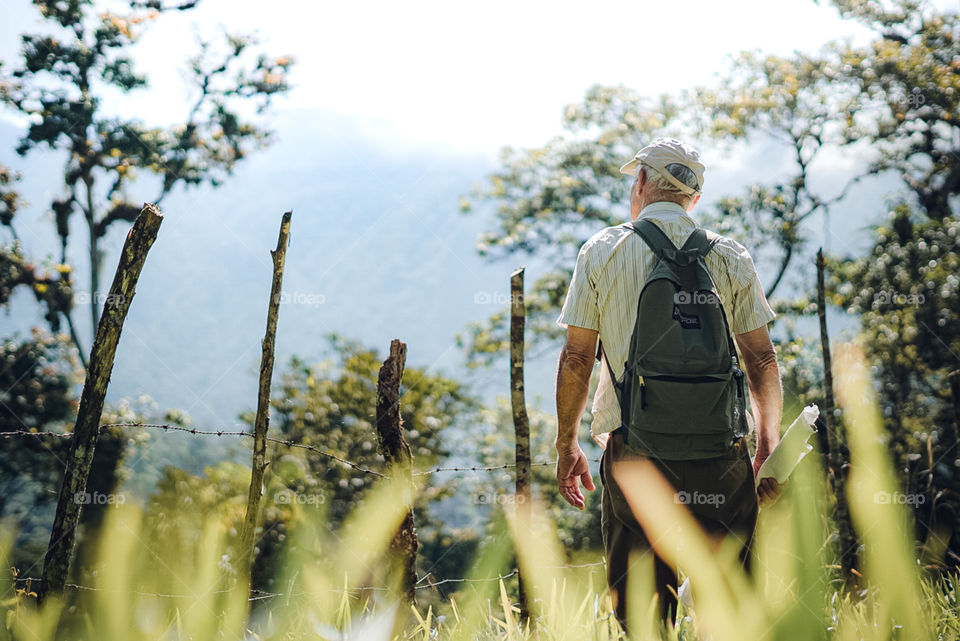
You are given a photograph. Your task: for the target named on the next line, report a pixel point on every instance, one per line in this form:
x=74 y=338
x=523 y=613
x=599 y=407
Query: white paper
x=793 y=446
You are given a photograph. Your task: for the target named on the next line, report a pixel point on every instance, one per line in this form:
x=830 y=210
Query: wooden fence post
x=396 y=450
x=140 y=238
x=521 y=423
x=262 y=421
x=835 y=458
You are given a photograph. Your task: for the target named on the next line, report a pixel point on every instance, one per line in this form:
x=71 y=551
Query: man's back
x=613 y=267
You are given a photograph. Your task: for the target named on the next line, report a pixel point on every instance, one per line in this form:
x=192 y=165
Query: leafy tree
x=905 y=292
x=61 y=85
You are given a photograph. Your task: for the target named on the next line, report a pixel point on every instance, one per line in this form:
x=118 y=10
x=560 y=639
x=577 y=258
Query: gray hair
x=681 y=172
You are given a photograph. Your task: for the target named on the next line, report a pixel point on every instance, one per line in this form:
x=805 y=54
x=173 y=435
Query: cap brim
x=630 y=169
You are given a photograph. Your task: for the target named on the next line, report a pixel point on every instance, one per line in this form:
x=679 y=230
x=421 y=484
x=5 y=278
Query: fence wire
x=288 y=443
x=426 y=582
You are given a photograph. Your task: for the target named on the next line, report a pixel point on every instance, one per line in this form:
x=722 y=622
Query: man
x=612 y=268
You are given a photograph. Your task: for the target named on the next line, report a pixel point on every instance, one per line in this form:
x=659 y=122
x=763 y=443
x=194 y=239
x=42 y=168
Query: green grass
x=146 y=588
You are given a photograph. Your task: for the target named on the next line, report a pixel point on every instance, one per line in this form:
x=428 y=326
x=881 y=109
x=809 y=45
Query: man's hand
x=768 y=490
x=766 y=399
x=573 y=467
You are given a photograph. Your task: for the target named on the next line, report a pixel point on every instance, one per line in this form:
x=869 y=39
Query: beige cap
x=667 y=151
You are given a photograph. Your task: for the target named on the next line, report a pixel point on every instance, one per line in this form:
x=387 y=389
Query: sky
x=466 y=76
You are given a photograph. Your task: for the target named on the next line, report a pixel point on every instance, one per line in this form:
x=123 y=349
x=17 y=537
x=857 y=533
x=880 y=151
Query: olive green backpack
x=683 y=394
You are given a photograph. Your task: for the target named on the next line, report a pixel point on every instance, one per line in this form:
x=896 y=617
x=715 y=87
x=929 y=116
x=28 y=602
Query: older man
x=602 y=302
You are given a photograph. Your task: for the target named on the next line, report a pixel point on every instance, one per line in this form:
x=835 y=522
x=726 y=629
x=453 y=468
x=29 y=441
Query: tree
x=60 y=86
x=905 y=292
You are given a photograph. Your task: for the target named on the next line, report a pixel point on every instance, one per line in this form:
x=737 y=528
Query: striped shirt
x=611 y=269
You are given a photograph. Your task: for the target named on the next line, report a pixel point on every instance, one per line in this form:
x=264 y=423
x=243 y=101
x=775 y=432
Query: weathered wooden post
x=835 y=459
x=140 y=238
x=262 y=421
x=521 y=423
x=397 y=453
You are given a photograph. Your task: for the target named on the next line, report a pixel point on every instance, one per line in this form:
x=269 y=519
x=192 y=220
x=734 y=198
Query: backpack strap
x=602 y=356
x=656 y=240
x=701 y=241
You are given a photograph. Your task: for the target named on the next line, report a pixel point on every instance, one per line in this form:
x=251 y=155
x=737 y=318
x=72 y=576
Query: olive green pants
x=720 y=492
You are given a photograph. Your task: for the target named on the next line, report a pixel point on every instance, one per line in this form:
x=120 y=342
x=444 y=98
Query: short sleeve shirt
x=611 y=269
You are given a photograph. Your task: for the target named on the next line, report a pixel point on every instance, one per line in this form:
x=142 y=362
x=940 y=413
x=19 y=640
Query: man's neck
x=668 y=205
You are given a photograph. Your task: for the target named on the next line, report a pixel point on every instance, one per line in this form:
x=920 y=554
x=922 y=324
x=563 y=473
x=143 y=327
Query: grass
x=339 y=587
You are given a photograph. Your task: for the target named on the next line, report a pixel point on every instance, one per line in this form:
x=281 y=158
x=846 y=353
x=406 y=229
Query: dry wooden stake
x=397 y=453
x=835 y=459
x=262 y=421
x=521 y=423
x=73 y=494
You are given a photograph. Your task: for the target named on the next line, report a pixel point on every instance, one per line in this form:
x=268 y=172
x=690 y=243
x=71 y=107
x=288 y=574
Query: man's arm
x=573 y=387
x=766 y=394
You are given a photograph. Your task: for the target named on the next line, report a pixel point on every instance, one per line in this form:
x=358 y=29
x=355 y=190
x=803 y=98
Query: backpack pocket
x=683 y=417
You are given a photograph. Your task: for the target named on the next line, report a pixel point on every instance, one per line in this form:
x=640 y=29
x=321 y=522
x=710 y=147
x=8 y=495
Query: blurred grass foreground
x=152 y=583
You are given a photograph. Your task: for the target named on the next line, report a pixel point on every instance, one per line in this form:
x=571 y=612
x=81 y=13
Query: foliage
x=61 y=86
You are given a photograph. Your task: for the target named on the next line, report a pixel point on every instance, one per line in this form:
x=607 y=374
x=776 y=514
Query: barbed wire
x=288 y=443
x=257 y=595
x=190 y=430
x=37 y=434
